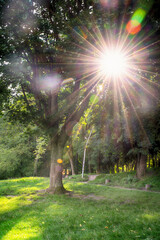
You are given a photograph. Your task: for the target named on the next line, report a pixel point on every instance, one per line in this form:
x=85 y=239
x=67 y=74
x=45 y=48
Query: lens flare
x=113 y=63
x=139 y=15
x=109 y=3
x=133 y=27
x=121 y=65
x=50 y=82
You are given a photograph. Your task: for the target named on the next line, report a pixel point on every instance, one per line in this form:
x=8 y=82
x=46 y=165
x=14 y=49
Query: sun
x=114 y=63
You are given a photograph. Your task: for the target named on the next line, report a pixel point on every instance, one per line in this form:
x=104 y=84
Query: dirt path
x=89 y=196
x=133 y=189
x=119 y=187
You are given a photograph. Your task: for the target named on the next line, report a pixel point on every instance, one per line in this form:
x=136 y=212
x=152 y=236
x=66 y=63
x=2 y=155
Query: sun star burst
x=117 y=63
x=113 y=63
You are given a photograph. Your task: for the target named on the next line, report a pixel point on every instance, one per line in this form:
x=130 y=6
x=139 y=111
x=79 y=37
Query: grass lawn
x=92 y=213
x=126 y=179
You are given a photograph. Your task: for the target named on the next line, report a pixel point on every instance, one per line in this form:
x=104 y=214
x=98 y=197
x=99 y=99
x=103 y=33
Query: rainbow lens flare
x=133 y=27
x=135 y=24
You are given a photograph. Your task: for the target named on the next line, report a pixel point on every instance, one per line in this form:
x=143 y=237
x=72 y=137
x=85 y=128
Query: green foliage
x=94 y=99
x=40 y=150
x=16 y=150
x=78 y=178
x=130 y=179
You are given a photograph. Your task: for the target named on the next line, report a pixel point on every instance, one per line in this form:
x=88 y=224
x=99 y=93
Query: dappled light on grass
x=70 y=186
x=29 y=190
x=9 y=204
x=54 y=207
x=151 y=217
x=23 y=185
x=12 y=203
x=24 y=229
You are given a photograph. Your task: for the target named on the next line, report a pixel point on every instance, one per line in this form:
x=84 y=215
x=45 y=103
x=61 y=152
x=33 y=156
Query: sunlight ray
x=141 y=85
x=125 y=115
x=89 y=56
x=138 y=118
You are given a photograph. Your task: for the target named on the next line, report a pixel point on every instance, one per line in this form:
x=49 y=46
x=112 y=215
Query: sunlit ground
x=25 y=214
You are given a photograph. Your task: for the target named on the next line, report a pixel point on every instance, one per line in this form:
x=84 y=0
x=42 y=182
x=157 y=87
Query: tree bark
x=156 y=160
x=149 y=160
x=159 y=162
x=72 y=165
x=141 y=166
x=35 y=168
x=153 y=162
x=84 y=156
x=117 y=167
x=56 y=185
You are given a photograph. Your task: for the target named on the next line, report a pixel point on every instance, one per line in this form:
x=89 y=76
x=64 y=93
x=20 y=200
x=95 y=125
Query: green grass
x=129 y=180
x=121 y=215
x=78 y=178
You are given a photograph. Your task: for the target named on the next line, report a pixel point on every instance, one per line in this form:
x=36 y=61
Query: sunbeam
x=115 y=59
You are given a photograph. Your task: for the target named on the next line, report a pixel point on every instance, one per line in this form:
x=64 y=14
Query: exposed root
x=57 y=190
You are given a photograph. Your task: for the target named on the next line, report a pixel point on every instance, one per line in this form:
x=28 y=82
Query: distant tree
x=35 y=52
x=40 y=150
x=16 y=150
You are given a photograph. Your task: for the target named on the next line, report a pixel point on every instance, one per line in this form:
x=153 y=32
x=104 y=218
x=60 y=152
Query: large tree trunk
x=56 y=185
x=141 y=166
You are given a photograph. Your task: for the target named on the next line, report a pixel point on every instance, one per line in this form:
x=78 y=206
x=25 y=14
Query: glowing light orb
x=50 y=82
x=109 y=3
x=113 y=63
x=59 y=160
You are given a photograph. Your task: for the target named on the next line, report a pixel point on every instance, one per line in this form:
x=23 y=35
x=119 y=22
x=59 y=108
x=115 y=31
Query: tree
x=17 y=145
x=35 y=69
x=43 y=60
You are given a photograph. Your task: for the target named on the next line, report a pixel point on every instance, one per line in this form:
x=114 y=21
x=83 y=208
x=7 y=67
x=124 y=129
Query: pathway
x=119 y=187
